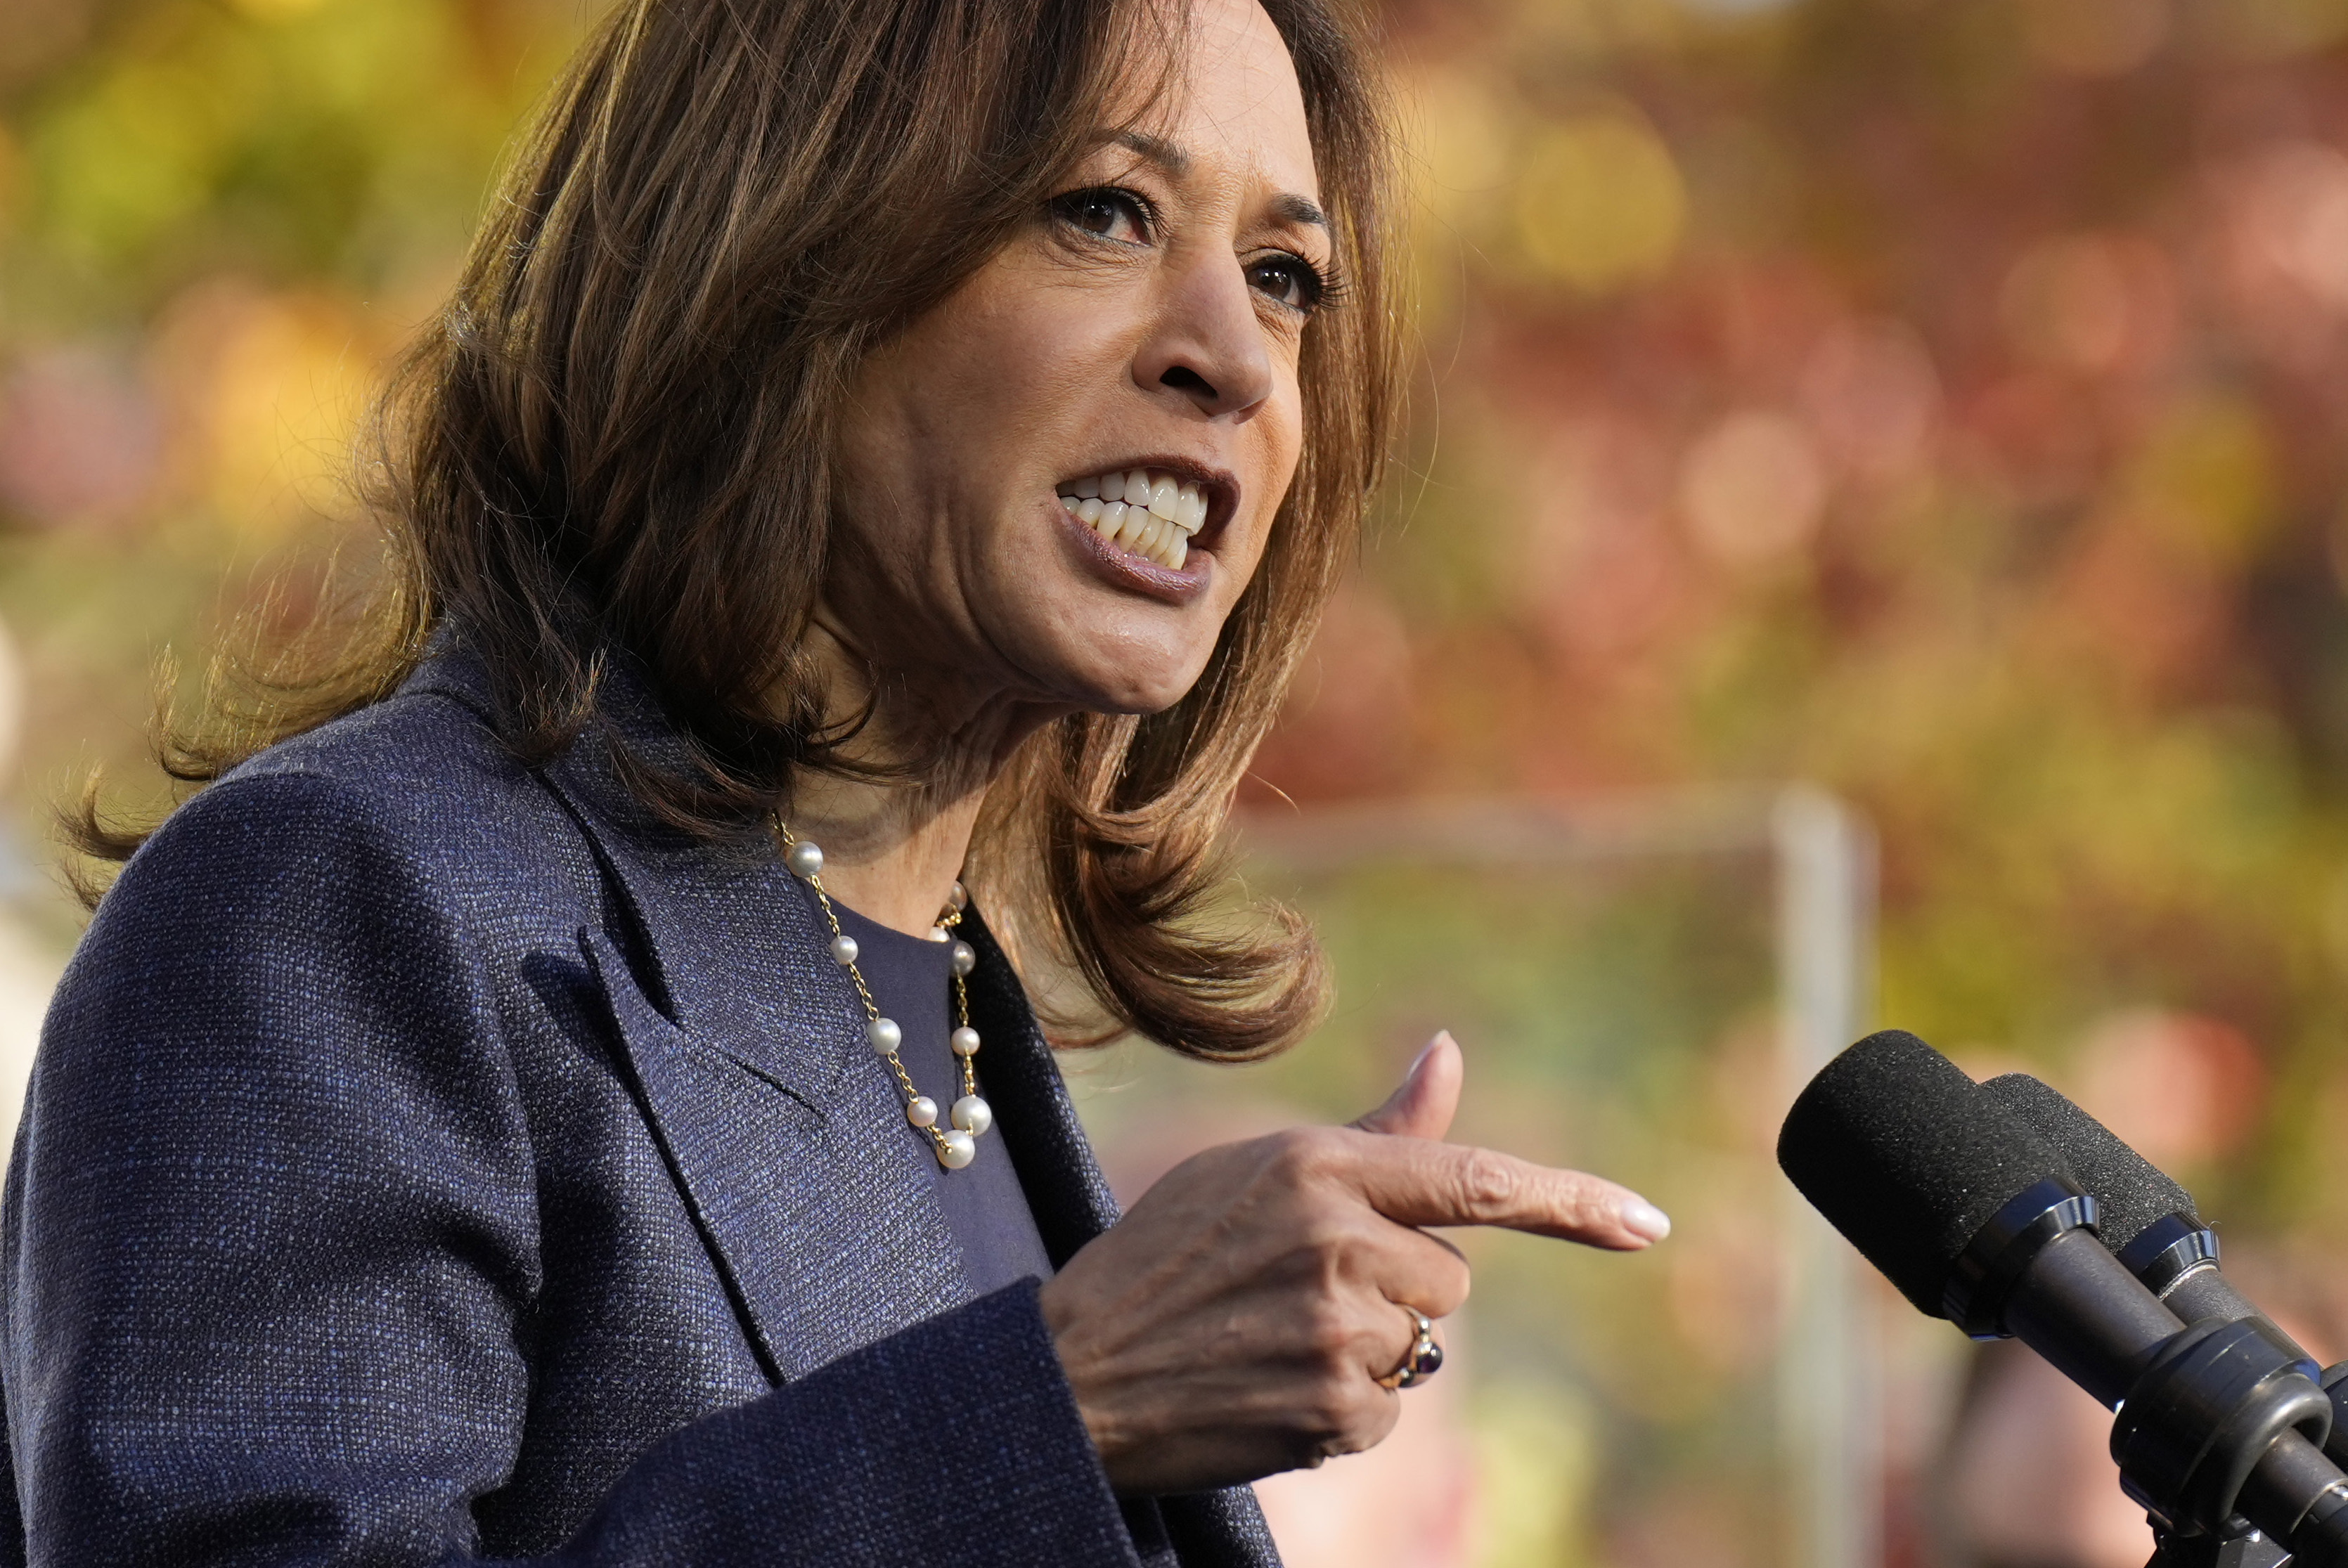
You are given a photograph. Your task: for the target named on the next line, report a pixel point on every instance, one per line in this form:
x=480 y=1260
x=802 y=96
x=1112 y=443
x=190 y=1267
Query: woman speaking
x=552 y=1094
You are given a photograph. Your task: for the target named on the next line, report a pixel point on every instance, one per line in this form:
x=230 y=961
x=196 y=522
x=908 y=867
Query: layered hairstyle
x=614 y=447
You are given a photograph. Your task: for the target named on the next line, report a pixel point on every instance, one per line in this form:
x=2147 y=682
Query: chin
x=1125 y=690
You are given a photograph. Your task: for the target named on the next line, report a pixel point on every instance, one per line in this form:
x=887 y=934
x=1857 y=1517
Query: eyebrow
x=1157 y=150
x=1295 y=209
x=1287 y=206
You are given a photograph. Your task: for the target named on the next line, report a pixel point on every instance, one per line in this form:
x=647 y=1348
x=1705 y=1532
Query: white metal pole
x=1829 y=1399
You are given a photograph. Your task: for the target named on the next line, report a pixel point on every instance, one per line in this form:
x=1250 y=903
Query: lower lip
x=1123 y=568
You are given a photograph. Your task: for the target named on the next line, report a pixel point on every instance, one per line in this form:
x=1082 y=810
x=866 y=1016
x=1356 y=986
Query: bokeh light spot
x=137 y=155
x=2181 y=1088
x=1600 y=201
x=2294 y=216
x=269 y=391
x=1752 y=488
x=1873 y=394
x=2090 y=302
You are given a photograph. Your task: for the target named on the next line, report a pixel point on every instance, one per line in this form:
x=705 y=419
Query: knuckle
x=1348 y=1414
x=1328 y=1332
x=1299 y=1154
x=1368 y=1417
x=1589 y=1200
x=1326 y=1233
x=1328 y=1405
x=1488 y=1182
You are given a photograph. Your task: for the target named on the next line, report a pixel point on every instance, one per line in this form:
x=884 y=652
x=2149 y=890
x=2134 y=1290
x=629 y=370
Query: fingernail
x=1427 y=1050
x=1642 y=1219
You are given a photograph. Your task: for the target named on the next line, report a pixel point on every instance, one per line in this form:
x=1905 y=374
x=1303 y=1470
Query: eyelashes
x=1293 y=281
x=1102 y=209
x=1120 y=215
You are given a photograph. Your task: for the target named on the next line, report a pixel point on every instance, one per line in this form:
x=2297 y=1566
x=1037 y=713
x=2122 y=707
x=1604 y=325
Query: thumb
x=1422 y=1106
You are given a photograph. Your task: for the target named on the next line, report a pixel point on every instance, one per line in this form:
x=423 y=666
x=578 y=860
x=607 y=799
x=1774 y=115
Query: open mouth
x=1149 y=512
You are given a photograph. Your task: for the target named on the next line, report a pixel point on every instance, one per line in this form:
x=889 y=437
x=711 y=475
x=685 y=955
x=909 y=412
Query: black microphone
x=2147 y=1220
x=1976 y=1217
x=2153 y=1225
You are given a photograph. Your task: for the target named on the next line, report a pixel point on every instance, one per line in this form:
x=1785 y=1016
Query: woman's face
x=1133 y=355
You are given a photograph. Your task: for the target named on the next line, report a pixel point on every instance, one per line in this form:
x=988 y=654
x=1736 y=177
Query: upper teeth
x=1151 y=514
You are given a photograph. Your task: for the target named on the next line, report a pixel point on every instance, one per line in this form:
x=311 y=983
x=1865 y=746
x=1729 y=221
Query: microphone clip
x=2197 y=1420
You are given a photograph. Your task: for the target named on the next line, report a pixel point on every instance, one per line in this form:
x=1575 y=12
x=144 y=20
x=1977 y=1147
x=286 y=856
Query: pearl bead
x=939 y=934
x=922 y=1111
x=843 y=950
x=973 y=1115
x=964 y=1042
x=965 y=958
x=957 y=1150
x=805 y=859
x=885 y=1036
x=959 y=897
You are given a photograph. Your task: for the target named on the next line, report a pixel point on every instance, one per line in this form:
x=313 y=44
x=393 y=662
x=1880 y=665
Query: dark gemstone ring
x=1422 y=1361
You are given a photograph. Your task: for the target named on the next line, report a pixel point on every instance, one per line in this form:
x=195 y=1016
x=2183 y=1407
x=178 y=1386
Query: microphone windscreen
x=1908 y=1158
x=2131 y=1192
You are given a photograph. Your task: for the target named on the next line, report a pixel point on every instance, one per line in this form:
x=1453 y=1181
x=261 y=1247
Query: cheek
x=1014 y=348
x=1009 y=347
x=1280 y=430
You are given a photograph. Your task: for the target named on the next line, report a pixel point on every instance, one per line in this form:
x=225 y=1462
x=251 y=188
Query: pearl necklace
x=956 y=1146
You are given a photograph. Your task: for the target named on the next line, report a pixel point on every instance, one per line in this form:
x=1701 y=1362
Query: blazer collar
x=718 y=935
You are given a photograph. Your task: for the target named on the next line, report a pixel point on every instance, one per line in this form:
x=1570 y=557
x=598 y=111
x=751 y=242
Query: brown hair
x=616 y=439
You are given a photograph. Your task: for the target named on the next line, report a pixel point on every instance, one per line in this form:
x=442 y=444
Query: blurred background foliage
x=218 y=221
x=1940 y=400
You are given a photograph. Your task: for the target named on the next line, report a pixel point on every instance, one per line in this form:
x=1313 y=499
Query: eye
x=1108 y=210
x=1290 y=279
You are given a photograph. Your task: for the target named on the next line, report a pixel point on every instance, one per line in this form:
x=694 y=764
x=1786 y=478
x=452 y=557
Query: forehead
x=1233 y=105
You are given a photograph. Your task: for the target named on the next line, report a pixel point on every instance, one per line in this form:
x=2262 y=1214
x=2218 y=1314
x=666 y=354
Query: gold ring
x=1422 y=1361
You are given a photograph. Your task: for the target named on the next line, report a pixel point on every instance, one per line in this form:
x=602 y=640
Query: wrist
x=1061 y=1321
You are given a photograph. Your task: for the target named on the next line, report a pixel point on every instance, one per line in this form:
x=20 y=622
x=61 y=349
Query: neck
x=890 y=851
x=892 y=848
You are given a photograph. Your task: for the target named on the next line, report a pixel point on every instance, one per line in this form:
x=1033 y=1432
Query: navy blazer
x=428 y=1160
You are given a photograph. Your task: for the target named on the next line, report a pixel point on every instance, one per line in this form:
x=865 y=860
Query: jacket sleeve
x=271 y=1232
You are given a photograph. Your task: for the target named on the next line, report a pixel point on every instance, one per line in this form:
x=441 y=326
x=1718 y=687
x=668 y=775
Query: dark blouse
x=911 y=981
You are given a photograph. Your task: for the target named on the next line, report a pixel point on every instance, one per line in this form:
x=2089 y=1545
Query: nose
x=1207 y=346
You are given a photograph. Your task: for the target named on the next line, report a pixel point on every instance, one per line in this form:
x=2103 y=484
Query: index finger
x=1419 y=1182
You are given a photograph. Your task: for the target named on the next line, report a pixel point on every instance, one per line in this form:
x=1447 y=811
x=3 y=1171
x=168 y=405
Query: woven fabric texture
x=429 y=1160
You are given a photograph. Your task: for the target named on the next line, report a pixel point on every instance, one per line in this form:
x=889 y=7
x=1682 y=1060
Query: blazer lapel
x=747 y=1046
x=814 y=1207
